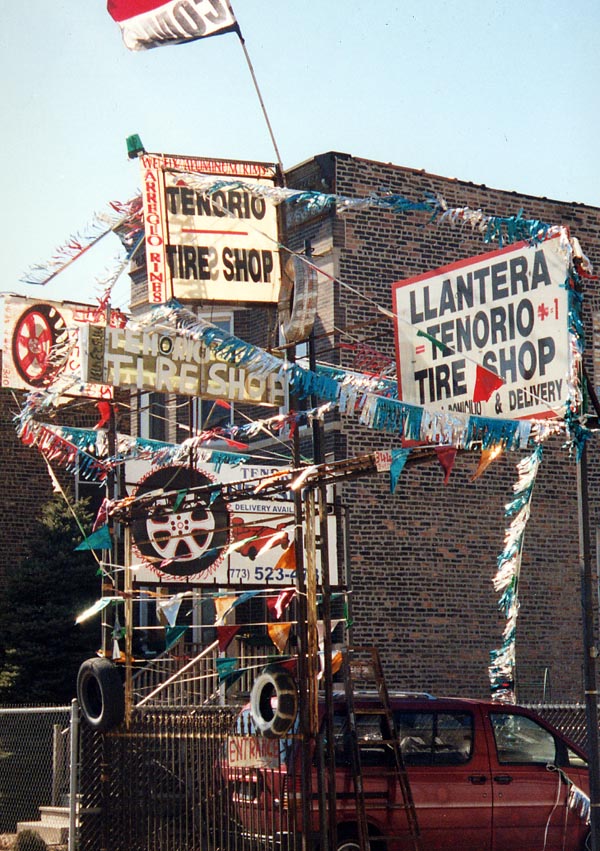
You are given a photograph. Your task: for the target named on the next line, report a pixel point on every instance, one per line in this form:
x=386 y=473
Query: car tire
x=279 y=688
x=348 y=840
x=100 y=694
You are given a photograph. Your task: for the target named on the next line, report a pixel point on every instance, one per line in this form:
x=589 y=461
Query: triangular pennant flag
x=98 y=540
x=434 y=342
x=486 y=382
x=211 y=554
x=277 y=605
x=179 y=499
x=247 y=595
x=446 y=456
x=226 y=665
x=279 y=634
x=117 y=633
x=173 y=634
x=289 y=665
x=98 y=606
x=167 y=610
x=321 y=630
x=487 y=457
x=104 y=409
x=232 y=678
x=225 y=635
x=336 y=663
x=223 y=605
x=287 y=559
x=101 y=516
x=399 y=458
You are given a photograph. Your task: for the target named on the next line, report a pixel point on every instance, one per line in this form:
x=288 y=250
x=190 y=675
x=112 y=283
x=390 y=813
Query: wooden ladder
x=362 y=670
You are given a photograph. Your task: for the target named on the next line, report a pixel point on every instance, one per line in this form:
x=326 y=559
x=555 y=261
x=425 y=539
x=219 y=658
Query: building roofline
x=453 y=180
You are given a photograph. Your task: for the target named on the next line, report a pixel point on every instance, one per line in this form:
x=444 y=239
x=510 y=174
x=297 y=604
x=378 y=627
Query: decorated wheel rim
x=39 y=338
x=189 y=539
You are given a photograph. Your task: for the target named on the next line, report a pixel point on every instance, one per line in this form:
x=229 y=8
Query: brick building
x=420 y=561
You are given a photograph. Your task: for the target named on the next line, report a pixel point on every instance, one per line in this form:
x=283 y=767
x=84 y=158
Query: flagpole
x=258 y=92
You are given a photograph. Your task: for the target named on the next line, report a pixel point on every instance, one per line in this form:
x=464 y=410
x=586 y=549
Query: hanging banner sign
x=505 y=312
x=253 y=752
x=221 y=246
x=169 y=363
x=41 y=343
x=220 y=542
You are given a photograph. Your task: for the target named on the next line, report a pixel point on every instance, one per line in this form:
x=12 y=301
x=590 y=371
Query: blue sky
x=500 y=93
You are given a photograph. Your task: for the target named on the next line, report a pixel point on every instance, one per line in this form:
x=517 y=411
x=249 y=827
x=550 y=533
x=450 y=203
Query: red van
x=484 y=777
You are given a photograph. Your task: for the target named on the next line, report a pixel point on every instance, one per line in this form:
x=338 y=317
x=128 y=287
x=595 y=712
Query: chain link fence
x=34 y=772
x=155 y=785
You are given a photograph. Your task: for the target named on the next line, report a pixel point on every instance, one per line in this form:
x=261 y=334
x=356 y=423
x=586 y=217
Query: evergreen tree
x=41 y=646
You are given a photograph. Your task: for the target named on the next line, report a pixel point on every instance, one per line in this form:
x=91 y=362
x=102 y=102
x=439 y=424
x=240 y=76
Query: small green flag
x=98 y=540
x=444 y=349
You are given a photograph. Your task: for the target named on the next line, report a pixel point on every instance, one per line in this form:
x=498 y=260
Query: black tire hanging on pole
x=274 y=702
x=101 y=694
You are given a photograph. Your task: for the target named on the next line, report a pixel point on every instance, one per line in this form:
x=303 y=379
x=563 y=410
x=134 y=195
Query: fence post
x=58 y=762
x=74 y=775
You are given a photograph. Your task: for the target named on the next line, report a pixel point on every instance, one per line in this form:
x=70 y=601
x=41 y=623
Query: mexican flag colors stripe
x=152 y=23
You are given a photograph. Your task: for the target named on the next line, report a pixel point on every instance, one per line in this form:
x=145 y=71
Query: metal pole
x=302 y=628
x=589 y=647
x=128 y=593
x=258 y=92
x=73 y=775
x=329 y=819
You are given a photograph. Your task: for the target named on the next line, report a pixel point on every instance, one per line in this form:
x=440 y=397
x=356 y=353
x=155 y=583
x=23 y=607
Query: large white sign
x=191 y=543
x=506 y=311
x=165 y=362
x=221 y=246
x=41 y=342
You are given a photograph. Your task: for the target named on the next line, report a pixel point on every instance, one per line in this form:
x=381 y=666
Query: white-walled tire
x=274 y=703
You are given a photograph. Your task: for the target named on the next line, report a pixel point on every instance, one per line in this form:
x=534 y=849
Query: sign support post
x=590 y=651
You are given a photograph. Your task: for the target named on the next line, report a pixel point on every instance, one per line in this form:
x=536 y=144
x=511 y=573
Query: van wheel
x=348 y=840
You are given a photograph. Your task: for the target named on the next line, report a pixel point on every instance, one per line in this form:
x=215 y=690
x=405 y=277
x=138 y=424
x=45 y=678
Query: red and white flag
x=152 y=23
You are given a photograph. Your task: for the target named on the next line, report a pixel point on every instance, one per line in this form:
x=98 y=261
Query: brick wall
x=422 y=560
x=25 y=483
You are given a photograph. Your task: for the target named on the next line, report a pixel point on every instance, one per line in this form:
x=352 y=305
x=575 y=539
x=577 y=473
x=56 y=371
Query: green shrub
x=29 y=840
